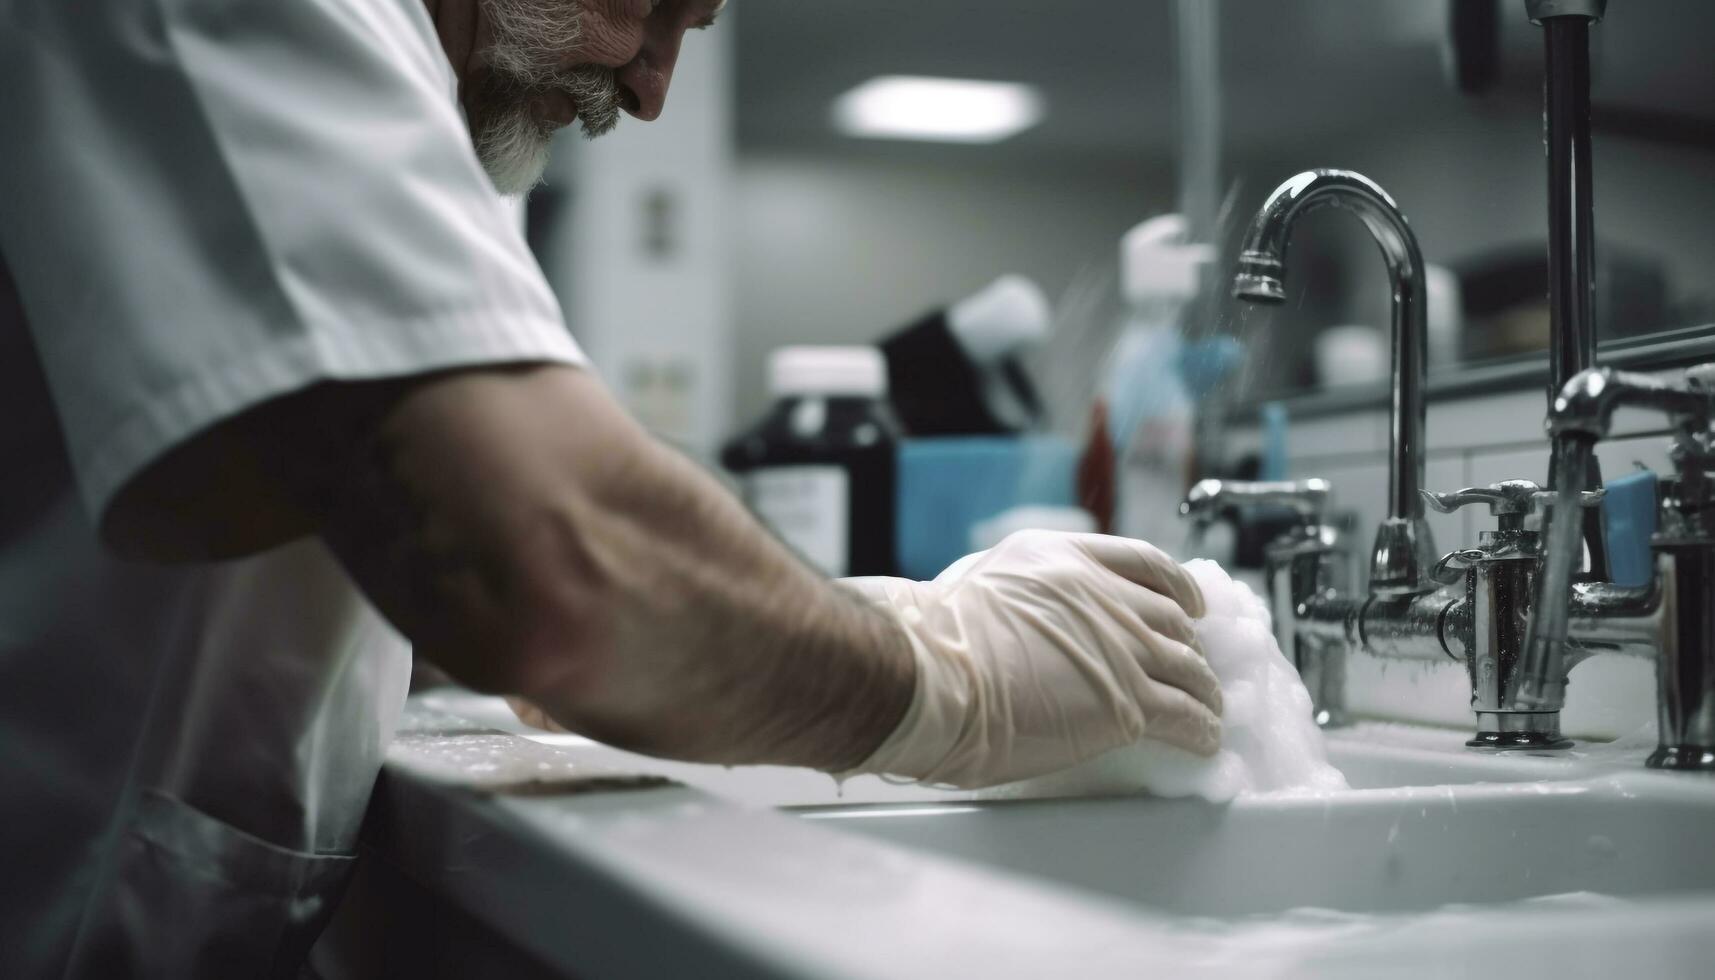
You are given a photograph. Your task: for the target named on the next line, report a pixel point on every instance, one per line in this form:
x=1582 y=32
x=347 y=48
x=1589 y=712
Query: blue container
x=949 y=485
x=1628 y=511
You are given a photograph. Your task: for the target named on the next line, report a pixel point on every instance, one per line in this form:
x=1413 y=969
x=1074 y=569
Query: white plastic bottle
x=1150 y=414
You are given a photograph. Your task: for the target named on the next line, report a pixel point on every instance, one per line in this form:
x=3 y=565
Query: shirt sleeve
x=210 y=203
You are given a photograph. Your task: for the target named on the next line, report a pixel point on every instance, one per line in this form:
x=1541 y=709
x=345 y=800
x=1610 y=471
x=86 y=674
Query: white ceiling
x=1295 y=71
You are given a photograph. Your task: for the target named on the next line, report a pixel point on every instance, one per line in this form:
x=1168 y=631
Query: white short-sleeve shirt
x=205 y=204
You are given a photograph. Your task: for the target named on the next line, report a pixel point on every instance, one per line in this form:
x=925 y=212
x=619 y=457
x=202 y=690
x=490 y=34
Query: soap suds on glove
x=1269 y=742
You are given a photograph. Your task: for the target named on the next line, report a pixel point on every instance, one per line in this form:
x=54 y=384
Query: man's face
x=534 y=66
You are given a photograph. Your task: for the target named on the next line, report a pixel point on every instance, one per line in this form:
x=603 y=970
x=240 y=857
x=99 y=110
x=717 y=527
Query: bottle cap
x=1008 y=315
x=854 y=372
x=1155 y=261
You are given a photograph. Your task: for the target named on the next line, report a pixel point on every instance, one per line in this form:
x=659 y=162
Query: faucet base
x=1515 y=731
x=1696 y=758
x=1519 y=741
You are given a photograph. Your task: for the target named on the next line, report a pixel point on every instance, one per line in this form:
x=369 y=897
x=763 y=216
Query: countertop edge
x=662 y=881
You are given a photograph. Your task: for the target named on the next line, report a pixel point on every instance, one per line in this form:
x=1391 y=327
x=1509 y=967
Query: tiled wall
x=1471 y=442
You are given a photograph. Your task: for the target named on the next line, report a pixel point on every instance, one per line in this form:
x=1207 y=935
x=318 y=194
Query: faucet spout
x=1585 y=406
x=1404 y=549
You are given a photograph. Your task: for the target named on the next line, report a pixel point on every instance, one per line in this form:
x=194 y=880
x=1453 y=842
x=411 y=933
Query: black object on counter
x=938 y=390
x=820 y=469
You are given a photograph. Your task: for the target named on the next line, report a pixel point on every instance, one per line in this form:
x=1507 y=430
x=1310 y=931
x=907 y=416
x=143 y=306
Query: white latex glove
x=1045 y=651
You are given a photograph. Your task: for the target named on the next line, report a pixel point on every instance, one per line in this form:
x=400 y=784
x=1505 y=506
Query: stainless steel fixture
x=1317 y=621
x=1404 y=548
x=1481 y=613
x=1487 y=627
x=1672 y=619
x=1571 y=223
x=1508 y=608
x=1571 y=227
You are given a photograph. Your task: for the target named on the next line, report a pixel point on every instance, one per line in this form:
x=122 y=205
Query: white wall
x=841 y=250
x=658 y=323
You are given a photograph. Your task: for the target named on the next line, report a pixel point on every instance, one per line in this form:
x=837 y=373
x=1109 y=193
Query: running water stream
x=1541 y=676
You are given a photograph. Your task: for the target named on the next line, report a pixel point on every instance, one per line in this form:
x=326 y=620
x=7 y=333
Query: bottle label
x=809 y=507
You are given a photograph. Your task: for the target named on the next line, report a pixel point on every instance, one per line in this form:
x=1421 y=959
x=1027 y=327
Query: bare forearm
x=541 y=545
x=724 y=648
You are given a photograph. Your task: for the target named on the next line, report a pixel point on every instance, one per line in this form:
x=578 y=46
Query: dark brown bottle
x=820 y=468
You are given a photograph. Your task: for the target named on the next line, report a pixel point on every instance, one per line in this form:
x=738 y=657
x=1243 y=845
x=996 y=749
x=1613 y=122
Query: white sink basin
x=1600 y=866
x=1392 y=850
x=1426 y=825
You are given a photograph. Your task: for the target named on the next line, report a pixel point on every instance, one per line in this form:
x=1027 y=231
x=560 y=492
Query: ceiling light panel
x=945 y=110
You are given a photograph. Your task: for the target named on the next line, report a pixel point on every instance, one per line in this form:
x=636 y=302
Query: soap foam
x=1269 y=741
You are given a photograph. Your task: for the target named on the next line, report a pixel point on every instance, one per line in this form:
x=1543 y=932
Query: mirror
x=1441 y=103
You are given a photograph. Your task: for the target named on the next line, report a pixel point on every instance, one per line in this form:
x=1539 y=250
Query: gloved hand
x=1042 y=652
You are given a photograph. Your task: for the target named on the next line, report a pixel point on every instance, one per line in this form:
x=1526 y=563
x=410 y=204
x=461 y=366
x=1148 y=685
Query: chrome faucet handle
x=1585 y=407
x=1509 y=498
x=1510 y=501
x=1307 y=498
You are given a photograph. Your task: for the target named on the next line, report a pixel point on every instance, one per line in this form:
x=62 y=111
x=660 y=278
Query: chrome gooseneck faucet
x=1404 y=548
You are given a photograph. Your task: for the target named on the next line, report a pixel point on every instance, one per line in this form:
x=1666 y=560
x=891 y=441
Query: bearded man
x=283 y=395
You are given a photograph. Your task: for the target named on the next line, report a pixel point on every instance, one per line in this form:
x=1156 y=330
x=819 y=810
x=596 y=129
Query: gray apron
x=185 y=754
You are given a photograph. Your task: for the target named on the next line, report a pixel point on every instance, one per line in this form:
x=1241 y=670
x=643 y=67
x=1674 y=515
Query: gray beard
x=530 y=38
